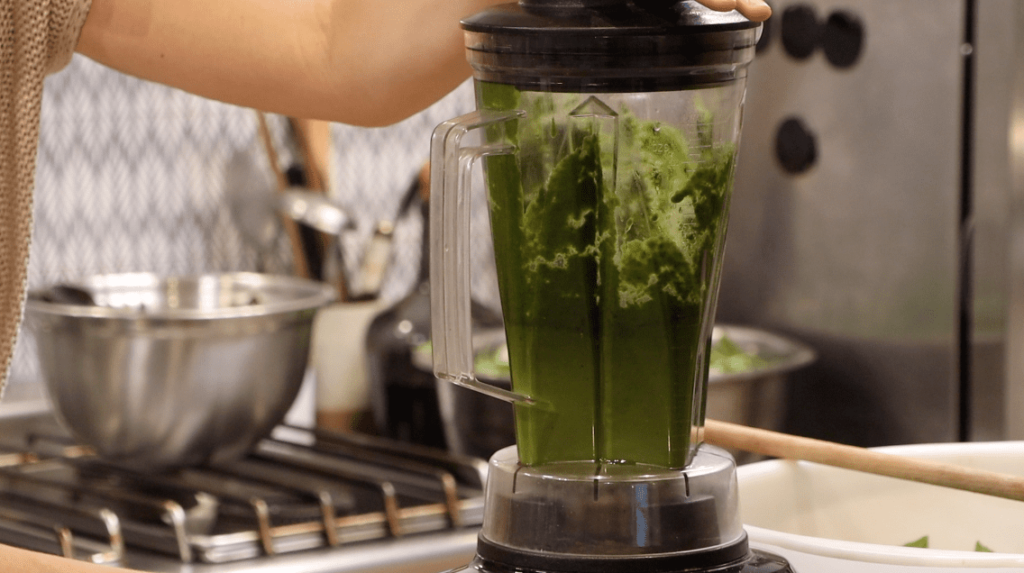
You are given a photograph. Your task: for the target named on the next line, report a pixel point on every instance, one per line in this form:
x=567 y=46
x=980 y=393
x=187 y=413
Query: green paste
x=607 y=231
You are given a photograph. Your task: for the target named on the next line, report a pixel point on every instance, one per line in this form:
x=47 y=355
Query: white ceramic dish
x=829 y=519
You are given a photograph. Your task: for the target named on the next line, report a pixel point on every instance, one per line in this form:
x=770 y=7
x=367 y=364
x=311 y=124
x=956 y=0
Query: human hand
x=754 y=10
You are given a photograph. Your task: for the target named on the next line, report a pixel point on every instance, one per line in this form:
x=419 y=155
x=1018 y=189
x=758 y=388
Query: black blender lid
x=608 y=45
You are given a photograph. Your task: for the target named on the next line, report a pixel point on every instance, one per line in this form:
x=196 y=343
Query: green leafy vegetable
x=493 y=363
x=607 y=229
x=923 y=544
x=727 y=357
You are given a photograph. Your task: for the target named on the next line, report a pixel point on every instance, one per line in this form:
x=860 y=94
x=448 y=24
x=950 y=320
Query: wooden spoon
x=775 y=444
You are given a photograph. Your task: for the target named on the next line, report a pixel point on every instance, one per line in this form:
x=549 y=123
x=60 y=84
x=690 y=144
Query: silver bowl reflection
x=755 y=394
x=163 y=372
x=752 y=392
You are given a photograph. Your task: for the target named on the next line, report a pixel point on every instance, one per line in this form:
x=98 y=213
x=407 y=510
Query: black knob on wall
x=842 y=39
x=800 y=31
x=795 y=146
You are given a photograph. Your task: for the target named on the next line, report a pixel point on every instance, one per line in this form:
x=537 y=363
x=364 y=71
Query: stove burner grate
x=300 y=490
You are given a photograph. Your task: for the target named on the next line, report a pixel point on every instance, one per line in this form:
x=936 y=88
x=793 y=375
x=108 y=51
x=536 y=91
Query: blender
x=607 y=131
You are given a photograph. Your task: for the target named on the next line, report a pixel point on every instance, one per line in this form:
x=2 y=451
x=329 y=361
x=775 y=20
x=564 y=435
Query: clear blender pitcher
x=609 y=136
x=607 y=131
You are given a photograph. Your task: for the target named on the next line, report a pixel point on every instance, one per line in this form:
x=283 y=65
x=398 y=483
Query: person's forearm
x=364 y=62
x=355 y=61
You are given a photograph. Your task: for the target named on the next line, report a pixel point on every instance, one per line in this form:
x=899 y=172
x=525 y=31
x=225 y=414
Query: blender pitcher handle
x=450 y=183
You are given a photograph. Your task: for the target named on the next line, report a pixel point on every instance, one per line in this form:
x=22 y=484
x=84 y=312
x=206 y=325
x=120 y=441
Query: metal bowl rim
x=316 y=295
x=797 y=355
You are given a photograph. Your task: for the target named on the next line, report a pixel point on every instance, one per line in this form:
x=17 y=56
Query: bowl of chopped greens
x=833 y=519
x=748 y=369
x=475 y=424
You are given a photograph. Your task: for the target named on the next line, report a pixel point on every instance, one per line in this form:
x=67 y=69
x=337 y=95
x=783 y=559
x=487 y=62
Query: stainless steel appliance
x=876 y=216
x=301 y=501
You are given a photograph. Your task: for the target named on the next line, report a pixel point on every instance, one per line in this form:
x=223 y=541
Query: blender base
x=736 y=558
x=588 y=517
x=763 y=562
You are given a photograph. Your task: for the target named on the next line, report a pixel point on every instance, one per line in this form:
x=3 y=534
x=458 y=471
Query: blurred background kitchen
x=134 y=176
x=878 y=214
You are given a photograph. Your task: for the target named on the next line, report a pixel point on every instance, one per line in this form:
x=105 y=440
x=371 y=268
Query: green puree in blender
x=606 y=232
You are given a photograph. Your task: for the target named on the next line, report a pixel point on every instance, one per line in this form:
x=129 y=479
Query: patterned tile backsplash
x=134 y=176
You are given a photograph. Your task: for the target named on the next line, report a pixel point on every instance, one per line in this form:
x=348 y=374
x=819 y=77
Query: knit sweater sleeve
x=65 y=25
x=37 y=37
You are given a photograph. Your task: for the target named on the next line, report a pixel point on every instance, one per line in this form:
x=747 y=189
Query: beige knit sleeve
x=66 y=20
x=36 y=37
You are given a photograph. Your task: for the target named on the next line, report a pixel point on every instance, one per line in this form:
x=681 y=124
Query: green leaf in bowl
x=727 y=357
x=922 y=543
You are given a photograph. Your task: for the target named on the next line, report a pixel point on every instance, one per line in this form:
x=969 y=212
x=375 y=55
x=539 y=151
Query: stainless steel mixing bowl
x=753 y=395
x=163 y=372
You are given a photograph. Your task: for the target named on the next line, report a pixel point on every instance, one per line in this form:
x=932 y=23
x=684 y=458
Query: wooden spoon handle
x=775 y=444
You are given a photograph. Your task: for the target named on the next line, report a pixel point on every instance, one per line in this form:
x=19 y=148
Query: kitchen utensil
x=250 y=201
x=314 y=210
x=607 y=131
x=294 y=238
x=378 y=254
x=775 y=444
x=313 y=142
x=310 y=143
x=170 y=371
x=312 y=242
x=376 y=260
x=317 y=212
x=824 y=518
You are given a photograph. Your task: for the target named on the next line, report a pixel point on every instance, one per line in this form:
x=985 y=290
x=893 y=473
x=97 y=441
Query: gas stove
x=302 y=500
